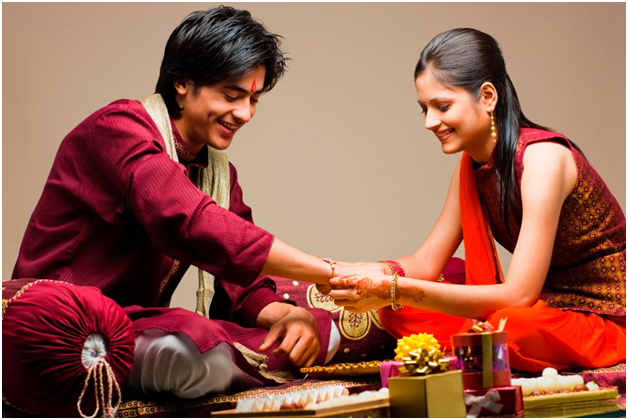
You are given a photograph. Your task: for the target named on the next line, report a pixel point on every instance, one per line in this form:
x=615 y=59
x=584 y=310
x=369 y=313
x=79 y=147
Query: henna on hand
x=364 y=286
x=414 y=292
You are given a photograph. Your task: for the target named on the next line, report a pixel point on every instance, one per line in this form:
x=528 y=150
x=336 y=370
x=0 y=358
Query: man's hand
x=296 y=328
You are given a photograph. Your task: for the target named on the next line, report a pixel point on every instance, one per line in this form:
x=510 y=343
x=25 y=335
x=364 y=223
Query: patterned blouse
x=588 y=266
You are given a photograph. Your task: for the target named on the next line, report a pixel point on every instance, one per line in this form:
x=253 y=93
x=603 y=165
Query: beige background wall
x=336 y=162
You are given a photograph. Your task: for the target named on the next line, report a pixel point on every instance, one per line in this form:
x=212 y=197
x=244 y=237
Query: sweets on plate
x=552 y=382
x=345 y=400
x=292 y=401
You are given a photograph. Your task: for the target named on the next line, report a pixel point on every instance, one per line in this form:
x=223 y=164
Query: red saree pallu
x=481 y=260
x=410 y=320
x=540 y=337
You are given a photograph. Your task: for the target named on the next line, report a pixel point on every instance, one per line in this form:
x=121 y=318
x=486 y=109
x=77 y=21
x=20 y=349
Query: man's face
x=212 y=114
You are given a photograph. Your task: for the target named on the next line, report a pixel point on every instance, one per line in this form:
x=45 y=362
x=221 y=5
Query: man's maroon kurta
x=117 y=213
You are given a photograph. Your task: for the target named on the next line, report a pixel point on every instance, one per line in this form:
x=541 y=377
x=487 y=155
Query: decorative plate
x=343 y=369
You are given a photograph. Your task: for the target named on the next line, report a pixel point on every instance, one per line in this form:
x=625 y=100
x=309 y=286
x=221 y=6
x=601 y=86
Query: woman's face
x=459 y=121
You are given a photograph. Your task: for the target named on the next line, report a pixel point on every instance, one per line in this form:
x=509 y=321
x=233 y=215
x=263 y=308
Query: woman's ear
x=488 y=96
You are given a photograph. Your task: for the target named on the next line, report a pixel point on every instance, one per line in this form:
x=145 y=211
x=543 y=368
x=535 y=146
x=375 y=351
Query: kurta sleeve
x=245 y=303
x=125 y=153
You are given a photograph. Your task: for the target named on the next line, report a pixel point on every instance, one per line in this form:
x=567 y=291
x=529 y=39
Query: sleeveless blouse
x=588 y=265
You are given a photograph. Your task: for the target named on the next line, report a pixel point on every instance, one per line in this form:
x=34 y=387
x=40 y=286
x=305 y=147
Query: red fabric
x=207 y=333
x=115 y=205
x=117 y=213
x=362 y=337
x=587 y=271
x=43 y=333
x=482 y=262
x=540 y=337
x=411 y=320
x=135 y=232
x=510 y=402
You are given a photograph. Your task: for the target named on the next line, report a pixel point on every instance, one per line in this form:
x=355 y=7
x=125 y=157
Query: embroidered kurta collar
x=186 y=156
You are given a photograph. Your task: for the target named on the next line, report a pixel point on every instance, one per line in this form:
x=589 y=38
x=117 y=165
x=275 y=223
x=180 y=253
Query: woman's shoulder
x=546 y=145
x=531 y=135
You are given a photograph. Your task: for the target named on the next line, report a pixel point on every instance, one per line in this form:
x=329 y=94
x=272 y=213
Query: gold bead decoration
x=493 y=128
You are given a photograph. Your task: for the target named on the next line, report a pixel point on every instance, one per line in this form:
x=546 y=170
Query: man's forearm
x=286 y=261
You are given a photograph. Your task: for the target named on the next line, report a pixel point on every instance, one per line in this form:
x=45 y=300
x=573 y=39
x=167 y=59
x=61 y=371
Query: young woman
x=534 y=192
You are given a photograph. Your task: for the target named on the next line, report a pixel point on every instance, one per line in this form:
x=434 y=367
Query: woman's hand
x=343 y=269
x=362 y=292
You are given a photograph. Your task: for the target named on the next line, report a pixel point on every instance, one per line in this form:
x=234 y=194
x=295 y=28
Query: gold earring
x=493 y=129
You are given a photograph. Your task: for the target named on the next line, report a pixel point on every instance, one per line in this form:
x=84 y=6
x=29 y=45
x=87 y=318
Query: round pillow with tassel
x=65 y=349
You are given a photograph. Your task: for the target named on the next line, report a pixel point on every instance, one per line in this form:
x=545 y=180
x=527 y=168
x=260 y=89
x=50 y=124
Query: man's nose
x=243 y=112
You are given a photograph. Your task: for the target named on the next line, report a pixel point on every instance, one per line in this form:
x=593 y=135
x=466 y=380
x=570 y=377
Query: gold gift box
x=434 y=395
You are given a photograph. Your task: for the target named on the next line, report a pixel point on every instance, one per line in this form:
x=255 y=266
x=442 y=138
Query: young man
x=121 y=211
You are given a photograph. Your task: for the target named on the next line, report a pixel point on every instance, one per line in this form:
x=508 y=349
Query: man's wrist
x=272 y=313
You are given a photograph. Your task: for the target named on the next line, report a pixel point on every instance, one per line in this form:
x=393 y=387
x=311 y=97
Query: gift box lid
x=475 y=339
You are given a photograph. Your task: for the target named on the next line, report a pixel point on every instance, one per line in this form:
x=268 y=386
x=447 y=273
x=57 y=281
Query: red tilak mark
x=254 y=85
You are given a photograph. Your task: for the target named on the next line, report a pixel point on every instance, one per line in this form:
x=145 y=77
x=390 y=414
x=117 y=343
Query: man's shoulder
x=118 y=107
x=126 y=115
x=123 y=120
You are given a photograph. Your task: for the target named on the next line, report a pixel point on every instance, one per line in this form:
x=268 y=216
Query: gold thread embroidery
x=352 y=325
x=166 y=279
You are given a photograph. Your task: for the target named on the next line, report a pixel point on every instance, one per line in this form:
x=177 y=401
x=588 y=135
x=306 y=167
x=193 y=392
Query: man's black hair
x=215 y=45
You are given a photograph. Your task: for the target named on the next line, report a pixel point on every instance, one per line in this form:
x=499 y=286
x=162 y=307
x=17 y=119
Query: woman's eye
x=230 y=98
x=443 y=108
x=255 y=101
x=423 y=110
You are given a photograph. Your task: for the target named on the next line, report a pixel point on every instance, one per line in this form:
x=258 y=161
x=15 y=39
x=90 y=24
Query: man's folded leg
x=172 y=362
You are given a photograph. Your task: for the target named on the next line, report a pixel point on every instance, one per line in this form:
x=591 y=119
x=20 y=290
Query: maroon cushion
x=362 y=336
x=44 y=328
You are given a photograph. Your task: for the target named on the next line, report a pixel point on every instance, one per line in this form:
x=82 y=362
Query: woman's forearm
x=459 y=300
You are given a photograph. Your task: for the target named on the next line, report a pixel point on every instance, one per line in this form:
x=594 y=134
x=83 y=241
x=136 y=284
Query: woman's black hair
x=467 y=58
x=214 y=45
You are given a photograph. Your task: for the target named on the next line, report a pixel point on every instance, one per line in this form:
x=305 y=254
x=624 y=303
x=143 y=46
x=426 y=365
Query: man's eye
x=443 y=108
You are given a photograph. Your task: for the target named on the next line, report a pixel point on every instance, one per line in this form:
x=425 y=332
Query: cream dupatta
x=213 y=181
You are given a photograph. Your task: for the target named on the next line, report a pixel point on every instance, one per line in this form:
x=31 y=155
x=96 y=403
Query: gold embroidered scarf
x=213 y=181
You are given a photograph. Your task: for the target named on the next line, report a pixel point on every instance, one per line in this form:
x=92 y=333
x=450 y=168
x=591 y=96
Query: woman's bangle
x=394 y=266
x=393 y=291
x=332 y=264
